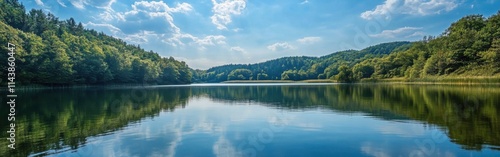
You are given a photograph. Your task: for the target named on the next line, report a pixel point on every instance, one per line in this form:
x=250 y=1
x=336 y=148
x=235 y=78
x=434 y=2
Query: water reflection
x=65 y=119
x=469 y=114
x=222 y=120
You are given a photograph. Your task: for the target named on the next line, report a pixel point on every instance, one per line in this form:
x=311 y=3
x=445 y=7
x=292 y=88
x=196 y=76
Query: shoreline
x=438 y=80
x=425 y=81
x=281 y=81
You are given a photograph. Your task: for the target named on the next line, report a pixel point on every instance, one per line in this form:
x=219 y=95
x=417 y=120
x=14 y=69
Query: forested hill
x=468 y=50
x=298 y=68
x=50 y=51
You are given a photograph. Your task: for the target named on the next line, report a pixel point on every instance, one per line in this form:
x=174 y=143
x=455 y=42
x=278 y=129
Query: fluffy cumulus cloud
x=39 y=2
x=155 y=9
x=309 y=40
x=159 y=9
x=156 y=20
x=411 y=7
x=280 y=46
x=223 y=10
x=403 y=32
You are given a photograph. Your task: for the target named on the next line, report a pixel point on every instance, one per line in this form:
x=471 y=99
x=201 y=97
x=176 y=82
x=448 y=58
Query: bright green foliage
x=240 y=74
x=54 y=52
x=492 y=56
x=294 y=75
x=362 y=71
x=345 y=74
x=301 y=68
x=57 y=52
x=469 y=47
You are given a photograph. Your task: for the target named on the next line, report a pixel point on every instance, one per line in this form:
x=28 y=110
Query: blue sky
x=206 y=33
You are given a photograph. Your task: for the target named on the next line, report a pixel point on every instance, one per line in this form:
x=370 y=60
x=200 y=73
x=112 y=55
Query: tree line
x=50 y=51
x=62 y=52
x=298 y=67
x=470 y=47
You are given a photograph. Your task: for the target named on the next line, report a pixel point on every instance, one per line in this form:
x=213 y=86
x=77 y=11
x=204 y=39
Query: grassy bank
x=95 y=86
x=281 y=81
x=440 y=80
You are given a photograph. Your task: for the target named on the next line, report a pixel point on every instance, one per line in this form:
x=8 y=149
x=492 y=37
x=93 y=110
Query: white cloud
x=410 y=7
x=106 y=5
x=182 y=8
x=400 y=32
x=237 y=29
x=280 y=46
x=237 y=49
x=154 y=12
x=305 y=2
x=382 y=9
x=224 y=10
x=39 y=2
x=430 y=7
x=309 y=40
x=110 y=15
x=61 y=3
x=81 y=4
x=210 y=40
x=179 y=39
x=114 y=30
x=141 y=37
x=160 y=9
x=416 y=34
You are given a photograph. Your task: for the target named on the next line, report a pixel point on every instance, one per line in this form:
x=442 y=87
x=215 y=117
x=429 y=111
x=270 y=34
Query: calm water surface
x=258 y=120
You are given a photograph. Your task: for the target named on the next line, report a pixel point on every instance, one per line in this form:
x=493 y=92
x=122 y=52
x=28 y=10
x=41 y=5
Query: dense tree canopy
x=61 y=52
x=50 y=51
x=470 y=47
x=301 y=68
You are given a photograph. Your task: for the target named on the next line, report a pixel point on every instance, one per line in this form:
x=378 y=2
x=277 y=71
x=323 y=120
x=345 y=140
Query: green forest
x=469 y=49
x=300 y=67
x=62 y=52
x=57 y=52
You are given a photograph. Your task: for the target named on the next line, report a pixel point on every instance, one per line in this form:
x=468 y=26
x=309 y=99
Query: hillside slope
x=468 y=49
x=54 y=52
x=299 y=67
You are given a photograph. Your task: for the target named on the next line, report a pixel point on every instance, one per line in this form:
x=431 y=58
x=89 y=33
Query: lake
x=268 y=120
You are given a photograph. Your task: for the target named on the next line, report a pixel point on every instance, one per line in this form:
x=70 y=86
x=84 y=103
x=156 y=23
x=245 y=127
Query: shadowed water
x=258 y=120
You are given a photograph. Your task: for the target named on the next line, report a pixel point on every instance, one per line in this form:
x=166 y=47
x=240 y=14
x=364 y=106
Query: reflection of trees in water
x=57 y=119
x=469 y=114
